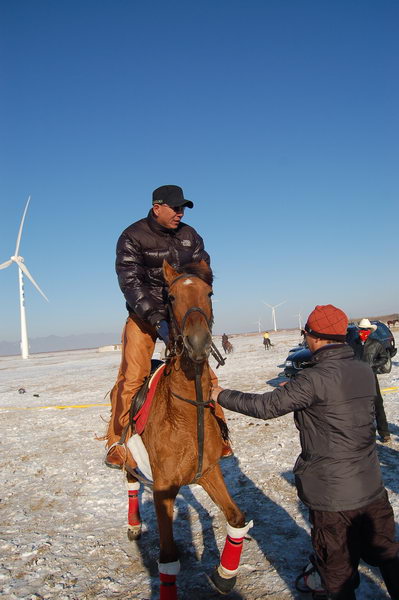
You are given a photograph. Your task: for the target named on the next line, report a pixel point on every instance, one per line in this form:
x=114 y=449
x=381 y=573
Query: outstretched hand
x=215 y=393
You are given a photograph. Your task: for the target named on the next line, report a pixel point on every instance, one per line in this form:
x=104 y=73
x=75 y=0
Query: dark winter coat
x=140 y=252
x=333 y=403
x=372 y=352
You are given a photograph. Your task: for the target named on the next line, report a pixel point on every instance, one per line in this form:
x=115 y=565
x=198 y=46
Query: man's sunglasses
x=177 y=209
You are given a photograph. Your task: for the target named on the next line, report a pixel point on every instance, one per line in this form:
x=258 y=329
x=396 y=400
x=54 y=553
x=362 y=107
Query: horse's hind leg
x=133 y=514
x=169 y=564
x=224 y=576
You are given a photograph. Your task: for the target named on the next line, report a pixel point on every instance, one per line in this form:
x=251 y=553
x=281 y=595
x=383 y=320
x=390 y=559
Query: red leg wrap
x=231 y=553
x=168 y=589
x=133 y=515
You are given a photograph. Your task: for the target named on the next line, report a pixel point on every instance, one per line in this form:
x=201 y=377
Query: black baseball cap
x=172 y=195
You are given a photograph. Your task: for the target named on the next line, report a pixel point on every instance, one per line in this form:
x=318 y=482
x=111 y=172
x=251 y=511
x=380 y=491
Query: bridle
x=173 y=352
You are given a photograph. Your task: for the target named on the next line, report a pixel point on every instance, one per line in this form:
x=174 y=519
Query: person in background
x=140 y=252
x=371 y=351
x=266 y=341
x=337 y=474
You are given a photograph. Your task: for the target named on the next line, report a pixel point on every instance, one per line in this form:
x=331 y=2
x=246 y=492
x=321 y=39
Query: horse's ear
x=204 y=265
x=206 y=269
x=168 y=272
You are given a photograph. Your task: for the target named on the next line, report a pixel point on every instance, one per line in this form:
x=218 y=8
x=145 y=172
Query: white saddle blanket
x=140 y=455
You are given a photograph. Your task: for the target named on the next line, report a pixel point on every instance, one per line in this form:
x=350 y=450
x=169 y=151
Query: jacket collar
x=335 y=351
x=157 y=228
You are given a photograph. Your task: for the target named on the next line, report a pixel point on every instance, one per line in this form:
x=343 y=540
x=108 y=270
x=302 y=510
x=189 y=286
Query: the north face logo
x=186 y=242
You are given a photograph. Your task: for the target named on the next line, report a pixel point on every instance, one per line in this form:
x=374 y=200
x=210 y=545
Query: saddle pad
x=140 y=455
x=140 y=419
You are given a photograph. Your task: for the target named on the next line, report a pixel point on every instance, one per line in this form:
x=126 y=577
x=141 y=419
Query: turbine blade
x=283 y=302
x=5 y=264
x=20 y=228
x=267 y=304
x=24 y=269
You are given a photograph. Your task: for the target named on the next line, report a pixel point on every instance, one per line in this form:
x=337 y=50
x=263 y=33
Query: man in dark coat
x=140 y=252
x=371 y=350
x=337 y=474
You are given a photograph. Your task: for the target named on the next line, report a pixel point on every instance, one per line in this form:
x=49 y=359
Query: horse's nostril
x=198 y=345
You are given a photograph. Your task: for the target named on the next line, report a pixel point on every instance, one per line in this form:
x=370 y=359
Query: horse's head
x=189 y=292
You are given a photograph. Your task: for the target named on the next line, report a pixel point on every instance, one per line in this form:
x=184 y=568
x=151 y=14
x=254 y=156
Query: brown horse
x=183 y=437
x=227 y=346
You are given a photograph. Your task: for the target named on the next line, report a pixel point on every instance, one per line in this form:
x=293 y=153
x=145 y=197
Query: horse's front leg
x=224 y=576
x=133 y=513
x=169 y=564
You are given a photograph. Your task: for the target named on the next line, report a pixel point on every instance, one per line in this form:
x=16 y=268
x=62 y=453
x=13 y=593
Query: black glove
x=162 y=328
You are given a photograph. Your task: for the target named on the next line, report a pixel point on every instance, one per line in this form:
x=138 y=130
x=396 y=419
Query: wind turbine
x=274 y=311
x=22 y=268
x=299 y=320
x=258 y=322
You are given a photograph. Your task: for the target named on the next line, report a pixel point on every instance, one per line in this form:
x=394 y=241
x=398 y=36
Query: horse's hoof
x=221 y=584
x=134 y=532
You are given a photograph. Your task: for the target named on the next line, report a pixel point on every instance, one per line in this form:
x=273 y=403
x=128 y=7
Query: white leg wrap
x=171 y=568
x=134 y=485
x=239 y=532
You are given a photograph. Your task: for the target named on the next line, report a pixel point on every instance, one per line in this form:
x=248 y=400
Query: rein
x=199 y=402
x=201 y=405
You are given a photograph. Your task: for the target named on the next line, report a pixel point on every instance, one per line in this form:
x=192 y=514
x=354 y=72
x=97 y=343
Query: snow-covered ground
x=63 y=513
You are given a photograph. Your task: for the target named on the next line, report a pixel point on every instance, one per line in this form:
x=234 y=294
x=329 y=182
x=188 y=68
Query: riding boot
x=118 y=456
x=138 y=342
x=390 y=574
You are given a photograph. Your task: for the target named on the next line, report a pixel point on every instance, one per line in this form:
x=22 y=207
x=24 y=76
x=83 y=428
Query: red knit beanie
x=328 y=323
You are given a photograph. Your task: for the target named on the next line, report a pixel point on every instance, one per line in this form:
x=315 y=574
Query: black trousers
x=380 y=416
x=341 y=539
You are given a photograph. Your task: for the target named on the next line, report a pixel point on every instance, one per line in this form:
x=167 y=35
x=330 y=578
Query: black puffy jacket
x=374 y=354
x=140 y=252
x=333 y=403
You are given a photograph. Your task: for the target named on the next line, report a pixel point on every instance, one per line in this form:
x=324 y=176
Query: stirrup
x=113 y=465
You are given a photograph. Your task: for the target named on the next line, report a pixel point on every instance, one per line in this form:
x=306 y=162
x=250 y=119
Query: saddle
x=141 y=403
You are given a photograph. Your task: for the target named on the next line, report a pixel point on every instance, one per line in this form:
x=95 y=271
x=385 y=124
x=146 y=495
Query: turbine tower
x=299 y=320
x=22 y=268
x=258 y=322
x=274 y=312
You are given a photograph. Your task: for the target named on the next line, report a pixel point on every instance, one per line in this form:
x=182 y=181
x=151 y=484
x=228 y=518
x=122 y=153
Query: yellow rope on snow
x=59 y=407
x=62 y=407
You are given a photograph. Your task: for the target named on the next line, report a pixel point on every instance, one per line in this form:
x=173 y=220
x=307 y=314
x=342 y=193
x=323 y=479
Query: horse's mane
x=201 y=270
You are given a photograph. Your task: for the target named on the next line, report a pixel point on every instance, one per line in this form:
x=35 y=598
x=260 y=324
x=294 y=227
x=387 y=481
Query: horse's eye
x=171 y=298
x=210 y=294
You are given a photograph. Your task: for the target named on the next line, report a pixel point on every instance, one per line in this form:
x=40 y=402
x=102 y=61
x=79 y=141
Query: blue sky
x=278 y=118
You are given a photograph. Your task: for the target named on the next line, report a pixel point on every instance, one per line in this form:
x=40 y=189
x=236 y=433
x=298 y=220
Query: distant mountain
x=54 y=343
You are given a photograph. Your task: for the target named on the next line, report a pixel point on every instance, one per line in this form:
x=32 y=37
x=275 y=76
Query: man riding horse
x=140 y=252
